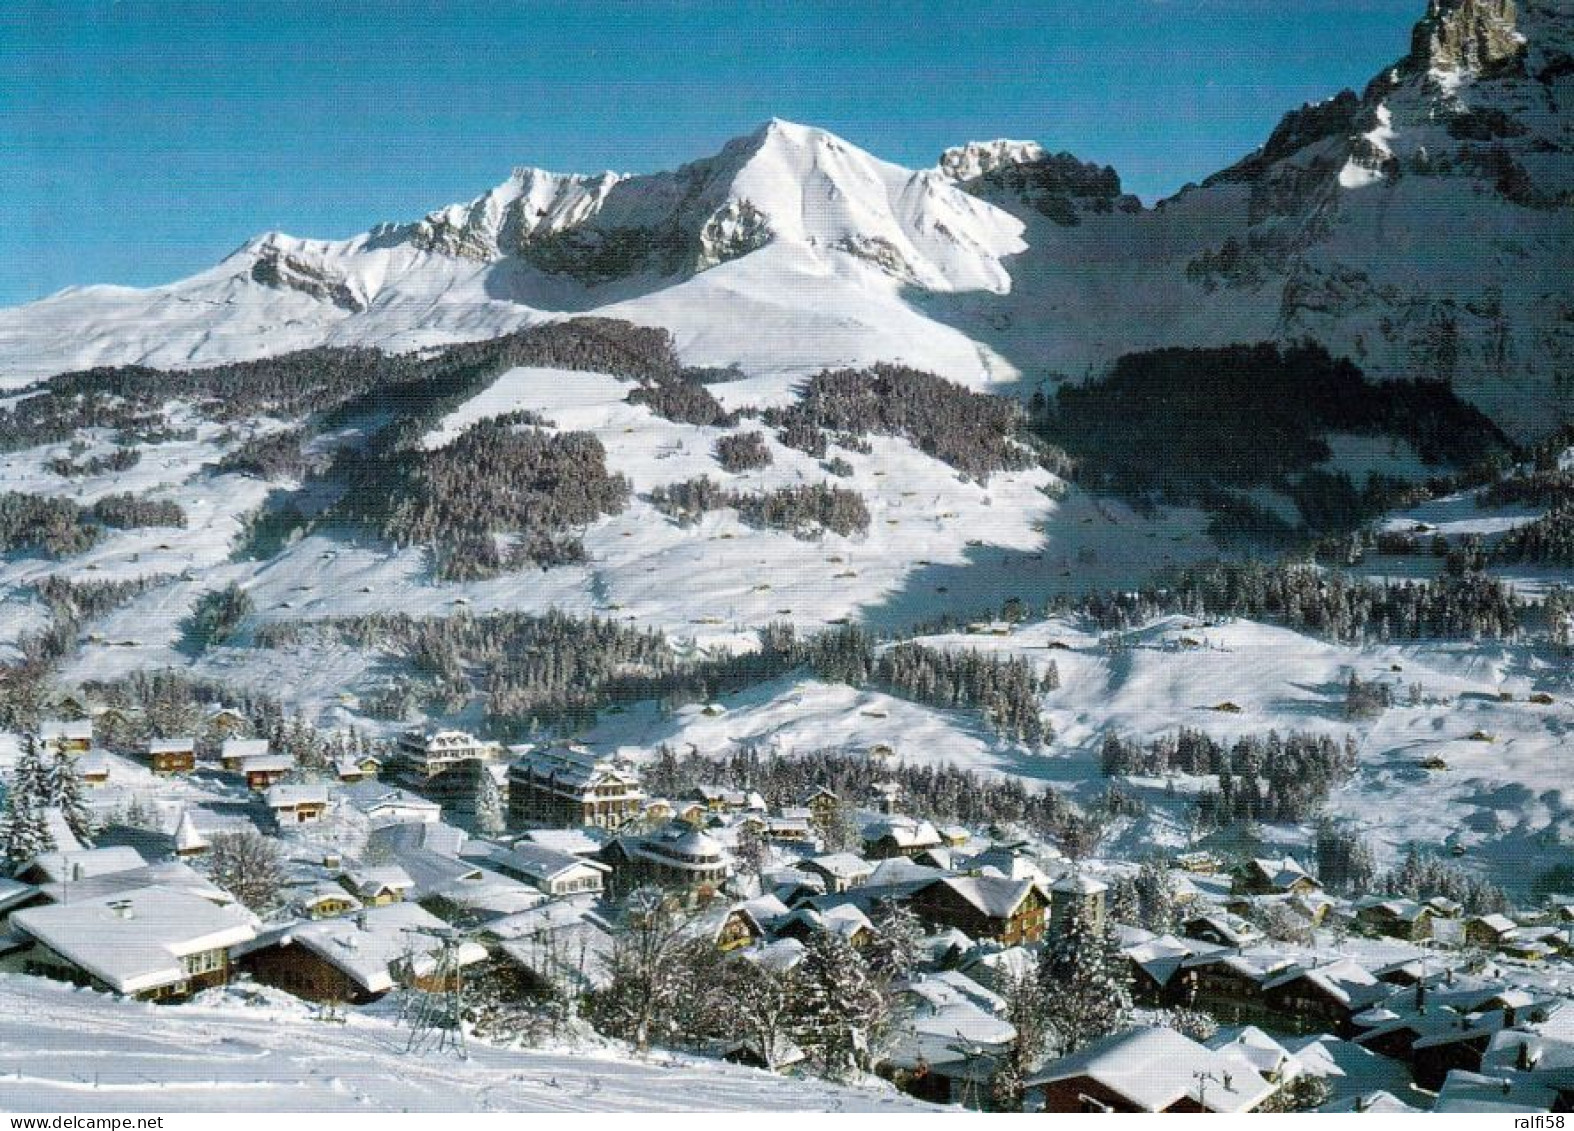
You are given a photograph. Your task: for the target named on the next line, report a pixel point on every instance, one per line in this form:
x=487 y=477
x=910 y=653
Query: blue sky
x=142 y=141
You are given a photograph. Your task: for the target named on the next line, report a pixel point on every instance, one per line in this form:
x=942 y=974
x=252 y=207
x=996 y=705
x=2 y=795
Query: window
x=203 y=962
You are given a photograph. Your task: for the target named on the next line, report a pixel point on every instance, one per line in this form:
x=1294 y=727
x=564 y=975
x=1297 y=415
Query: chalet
x=1396 y=918
x=572 y=786
x=823 y=804
x=551 y=872
x=358 y=768
x=1202 y=863
x=1489 y=931
x=985 y=907
x=323 y=901
x=226 y=722
x=948 y=1040
x=93 y=770
x=1078 y=895
x=426 y=755
x=150 y=942
x=785 y=829
x=357 y=958
x=845 y=919
x=1155 y=964
x=297 y=804
x=172 y=755
x=66 y=736
x=1323 y=999
x=719 y=800
x=1229 y=984
x=1149 y=1070
x=899 y=836
x=657 y=810
x=1276 y=877
x=378 y=886
x=384 y=805
x=235 y=751
x=1221 y=929
x=1460 y=1047
x=839 y=870
x=264 y=770
x=730 y=928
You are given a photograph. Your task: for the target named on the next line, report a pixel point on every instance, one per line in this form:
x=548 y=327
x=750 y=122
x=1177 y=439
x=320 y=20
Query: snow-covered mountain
x=1423 y=227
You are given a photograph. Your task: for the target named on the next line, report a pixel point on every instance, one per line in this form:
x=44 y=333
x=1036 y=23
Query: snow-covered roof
x=904 y=832
x=51 y=730
x=995 y=897
x=539 y=864
x=575 y=842
x=1378 y=1102
x=1345 y=981
x=842 y=865
x=370 y=881
x=54 y=867
x=292 y=795
x=183 y=745
x=780 y=956
x=1154 y=1068
x=1282 y=873
x=1079 y=883
x=243 y=748
x=1258 y=1051
x=173 y=875
x=267 y=764
x=371 y=946
x=1497 y=924
x=133 y=940
x=1476 y=1092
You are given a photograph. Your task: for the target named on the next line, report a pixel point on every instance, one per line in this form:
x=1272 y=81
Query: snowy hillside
x=63 y=1049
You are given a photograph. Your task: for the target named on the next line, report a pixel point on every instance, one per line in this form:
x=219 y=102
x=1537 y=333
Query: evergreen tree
x=64 y=791
x=1028 y=1012
x=839 y=1005
x=898 y=943
x=489 y=818
x=1086 y=984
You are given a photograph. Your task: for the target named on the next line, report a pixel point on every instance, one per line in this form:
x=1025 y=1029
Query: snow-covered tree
x=489 y=817
x=761 y=1003
x=24 y=831
x=751 y=852
x=644 y=976
x=64 y=791
x=839 y=1005
x=1193 y=1023
x=836 y=829
x=1028 y=1012
x=1086 y=983
x=898 y=940
x=247 y=865
x=1157 y=909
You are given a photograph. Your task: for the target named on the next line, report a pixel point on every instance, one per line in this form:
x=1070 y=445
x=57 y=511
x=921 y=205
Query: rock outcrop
x=1466 y=35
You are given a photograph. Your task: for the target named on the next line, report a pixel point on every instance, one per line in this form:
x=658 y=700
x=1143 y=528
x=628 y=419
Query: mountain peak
x=1466 y=35
x=965 y=162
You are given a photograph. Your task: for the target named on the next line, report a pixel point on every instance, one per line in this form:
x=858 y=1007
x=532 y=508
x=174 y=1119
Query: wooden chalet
x=985 y=907
x=1149 y=1070
x=172 y=755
